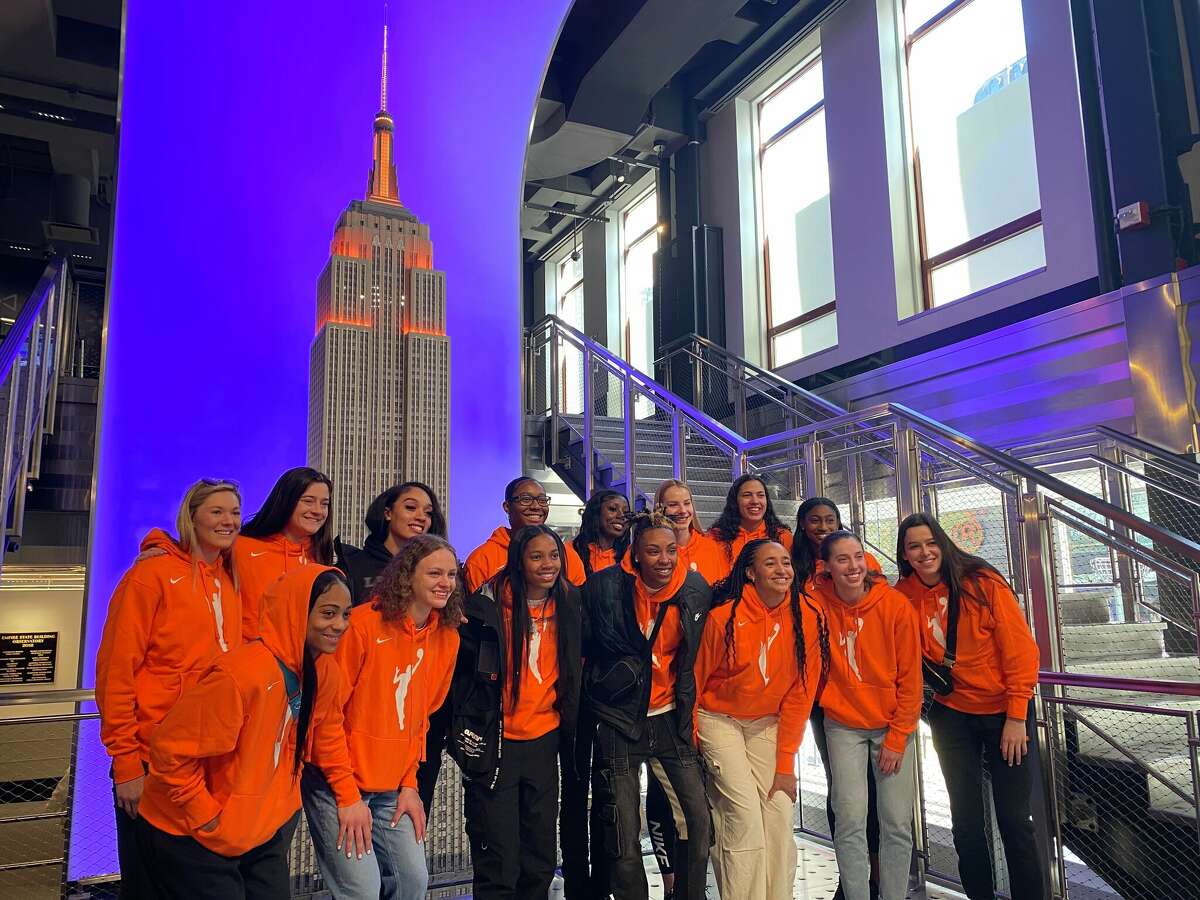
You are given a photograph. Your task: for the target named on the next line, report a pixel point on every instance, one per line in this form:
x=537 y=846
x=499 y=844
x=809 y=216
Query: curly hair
x=735 y=585
x=393 y=591
x=729 y=523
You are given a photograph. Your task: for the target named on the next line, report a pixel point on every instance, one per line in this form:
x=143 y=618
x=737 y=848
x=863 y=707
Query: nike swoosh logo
x=177 y=580
x=273 y=684
x=254 y=555
x=740 y=624
x=382 y=640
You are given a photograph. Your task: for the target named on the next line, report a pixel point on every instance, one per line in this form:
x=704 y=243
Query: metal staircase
x=1094 y=531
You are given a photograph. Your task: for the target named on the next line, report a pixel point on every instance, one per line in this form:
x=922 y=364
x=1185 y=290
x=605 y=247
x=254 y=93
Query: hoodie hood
x=283 y=615
x=501 y=537
x=836 y=606
x=642 y=590
x=376 y=549
x=158 y=539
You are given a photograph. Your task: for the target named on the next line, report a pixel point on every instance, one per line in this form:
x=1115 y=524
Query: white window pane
x=570 y=307
x=1009 y=258
x=570 y=273
x=640 y=217
x=639 y=300
x=972 y=124
x=805 y=340
x=795 y=197
x=790 y=102
x=918 y=12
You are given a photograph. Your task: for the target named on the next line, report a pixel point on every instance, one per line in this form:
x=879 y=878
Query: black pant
x=583 y=875
x=619 y=761
x=964 y=744
x=435 y=742
x=660 y=823
x=512 y=826
x=184 y=869
x=817 y=720
x=136 y=883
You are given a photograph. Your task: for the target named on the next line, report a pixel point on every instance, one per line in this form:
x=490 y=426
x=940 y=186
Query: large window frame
x=973 y=245
x=630 y=243
x=764 y=143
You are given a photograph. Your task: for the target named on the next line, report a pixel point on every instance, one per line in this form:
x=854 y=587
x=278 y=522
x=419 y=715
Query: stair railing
x=30 y=361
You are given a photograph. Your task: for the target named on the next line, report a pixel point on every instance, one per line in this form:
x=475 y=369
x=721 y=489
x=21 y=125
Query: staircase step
x=1113 y=641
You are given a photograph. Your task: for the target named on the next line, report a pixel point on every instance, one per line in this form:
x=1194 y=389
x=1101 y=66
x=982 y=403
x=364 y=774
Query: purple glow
x=242 y=137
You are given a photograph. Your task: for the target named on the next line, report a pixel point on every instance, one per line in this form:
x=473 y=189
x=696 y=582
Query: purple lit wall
x=244 y=132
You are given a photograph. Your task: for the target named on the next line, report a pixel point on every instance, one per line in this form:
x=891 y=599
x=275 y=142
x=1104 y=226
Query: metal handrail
x=10 y=348
x=759 y=372
x=1125 y=685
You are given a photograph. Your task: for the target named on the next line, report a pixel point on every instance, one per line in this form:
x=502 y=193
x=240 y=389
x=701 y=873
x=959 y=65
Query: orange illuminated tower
x=379 y=377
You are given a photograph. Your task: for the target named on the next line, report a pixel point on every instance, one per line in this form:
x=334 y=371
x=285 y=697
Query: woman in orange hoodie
x=816 y=519
x=291 y=529
x=223 y=794
x=516 y=701
x=872 y=700
x=396 y=659
x=525 y=503
x=748 y=515
x=697 y=552
x=603 y=531
x=169 y=618
x=983 y=719
x=762 y=657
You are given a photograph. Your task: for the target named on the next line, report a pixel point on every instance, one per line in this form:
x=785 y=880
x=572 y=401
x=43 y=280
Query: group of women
x=248 y=671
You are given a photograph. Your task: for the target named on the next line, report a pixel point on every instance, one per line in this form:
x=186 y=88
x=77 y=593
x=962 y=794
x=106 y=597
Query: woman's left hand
x=783 y=782
x=1014 y=741
x=408 y=803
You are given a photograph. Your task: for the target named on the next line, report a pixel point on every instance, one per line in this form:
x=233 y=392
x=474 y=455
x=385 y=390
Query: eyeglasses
x=531 y=500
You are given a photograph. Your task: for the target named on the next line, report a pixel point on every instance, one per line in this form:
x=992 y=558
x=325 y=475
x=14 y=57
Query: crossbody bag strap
x=658 y=620
x=950 y=657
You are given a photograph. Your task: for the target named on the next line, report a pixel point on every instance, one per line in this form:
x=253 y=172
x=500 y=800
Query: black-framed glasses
x=531 y=500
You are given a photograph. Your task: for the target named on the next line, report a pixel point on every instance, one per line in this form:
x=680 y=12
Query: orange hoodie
x=729 y=552
x=259 y=562
x=670 y=633
x=874 y=676
x=599 y=558
x=491 y=556
x=764 y=677
x=536 y=711
x=227 y=748
x=396 y=675
x=704 y=555
x=996 y=665
x=167 y=621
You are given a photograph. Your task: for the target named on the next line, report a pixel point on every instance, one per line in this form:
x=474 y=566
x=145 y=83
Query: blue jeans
x=396 y=868
x=850 y=752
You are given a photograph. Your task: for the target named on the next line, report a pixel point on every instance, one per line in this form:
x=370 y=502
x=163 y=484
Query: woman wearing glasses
x=526 y=503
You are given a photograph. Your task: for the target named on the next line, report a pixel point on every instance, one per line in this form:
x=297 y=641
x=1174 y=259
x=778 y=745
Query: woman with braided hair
x=646 y=616
x=764 y=651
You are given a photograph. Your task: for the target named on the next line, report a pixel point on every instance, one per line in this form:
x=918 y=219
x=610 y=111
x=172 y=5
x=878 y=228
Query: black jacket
x=476 y=736
x=614 y=633
x=362 y=567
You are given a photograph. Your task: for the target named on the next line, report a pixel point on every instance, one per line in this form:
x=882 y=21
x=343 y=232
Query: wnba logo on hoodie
x=764 y=651
x=849 y=640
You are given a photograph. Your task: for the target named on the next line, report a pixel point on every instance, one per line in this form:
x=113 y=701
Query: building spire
x=382 y=184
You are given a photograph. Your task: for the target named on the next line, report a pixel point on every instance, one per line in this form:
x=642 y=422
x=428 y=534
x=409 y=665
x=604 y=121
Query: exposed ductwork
x=612 y=97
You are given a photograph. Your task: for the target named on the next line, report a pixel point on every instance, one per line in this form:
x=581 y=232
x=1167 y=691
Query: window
x=639 y=243
x=569 y=288
x=979 y=208
x=794 y=209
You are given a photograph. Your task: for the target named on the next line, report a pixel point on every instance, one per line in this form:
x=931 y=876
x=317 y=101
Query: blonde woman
x=697 y=553
x=170 y=616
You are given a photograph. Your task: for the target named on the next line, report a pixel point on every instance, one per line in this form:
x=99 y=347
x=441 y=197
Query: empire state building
x=379 y=376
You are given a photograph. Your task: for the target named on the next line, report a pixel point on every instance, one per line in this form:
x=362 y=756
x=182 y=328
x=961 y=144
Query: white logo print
x=848 y=640
x=653 y=656
x=177 y=580
x=256 y=555
x=382 y=640
x=935 y=623
x=272 y=685
x=763 y=650
x=287 y=717
x=402 y=680
x=535 y=646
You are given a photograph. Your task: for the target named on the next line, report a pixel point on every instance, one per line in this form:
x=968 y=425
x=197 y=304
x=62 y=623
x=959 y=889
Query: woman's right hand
x=129 y=794
x=212 y=825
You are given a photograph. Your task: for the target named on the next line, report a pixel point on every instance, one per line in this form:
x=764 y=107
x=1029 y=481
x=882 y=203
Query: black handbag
x=624 y=674
x=939 y=676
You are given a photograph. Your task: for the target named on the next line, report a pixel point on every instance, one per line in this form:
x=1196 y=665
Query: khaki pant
x=754 y=857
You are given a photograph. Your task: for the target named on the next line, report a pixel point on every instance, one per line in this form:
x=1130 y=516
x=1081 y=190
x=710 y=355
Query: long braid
x=798 y=634
x=823 y=642
x=730 y=651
